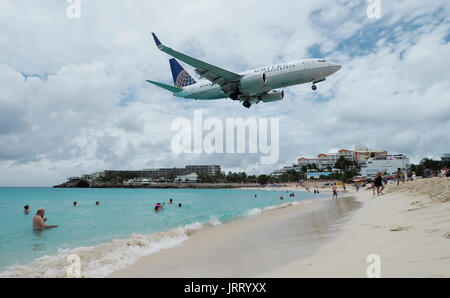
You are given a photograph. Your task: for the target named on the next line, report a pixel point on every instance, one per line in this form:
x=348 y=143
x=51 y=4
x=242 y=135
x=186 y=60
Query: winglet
x=158 y=43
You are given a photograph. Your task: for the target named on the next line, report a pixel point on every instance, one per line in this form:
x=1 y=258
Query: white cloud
x=74 y=97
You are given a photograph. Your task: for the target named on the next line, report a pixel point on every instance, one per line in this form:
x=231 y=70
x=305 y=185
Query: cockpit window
x=322 y=60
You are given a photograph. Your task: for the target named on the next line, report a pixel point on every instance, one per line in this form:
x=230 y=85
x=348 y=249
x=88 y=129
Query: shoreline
x=238 y=248
x=408 y=228
x=116 y=253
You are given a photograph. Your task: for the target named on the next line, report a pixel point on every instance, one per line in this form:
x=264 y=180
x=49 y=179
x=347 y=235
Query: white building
x=388 y=163
x=192 y=177
x=280 y=172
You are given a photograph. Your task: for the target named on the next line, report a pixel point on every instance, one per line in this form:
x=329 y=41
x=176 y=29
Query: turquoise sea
x=117 y=232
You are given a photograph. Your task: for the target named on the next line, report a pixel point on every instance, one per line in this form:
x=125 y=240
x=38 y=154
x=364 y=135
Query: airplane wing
x=226 y=79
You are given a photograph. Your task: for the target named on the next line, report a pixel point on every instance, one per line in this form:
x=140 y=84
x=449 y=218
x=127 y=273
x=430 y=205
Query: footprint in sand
x=398 y=229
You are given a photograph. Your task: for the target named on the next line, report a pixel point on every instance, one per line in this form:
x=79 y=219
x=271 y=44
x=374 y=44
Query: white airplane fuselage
x=276 y=76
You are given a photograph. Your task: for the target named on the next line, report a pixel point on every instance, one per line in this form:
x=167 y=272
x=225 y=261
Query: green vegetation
x=434 y=165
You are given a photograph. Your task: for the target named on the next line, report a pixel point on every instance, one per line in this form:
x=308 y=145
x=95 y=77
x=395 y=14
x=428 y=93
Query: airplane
x=248 y=87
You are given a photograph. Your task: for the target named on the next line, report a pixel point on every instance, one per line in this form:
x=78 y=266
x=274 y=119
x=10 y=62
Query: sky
x=74 y=98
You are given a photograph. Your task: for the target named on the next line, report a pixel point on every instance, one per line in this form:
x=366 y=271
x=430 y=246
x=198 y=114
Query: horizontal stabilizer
x=167 y=87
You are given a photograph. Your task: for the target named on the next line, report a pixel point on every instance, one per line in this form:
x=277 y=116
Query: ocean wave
x=214 y=221
x=106 y=258
x=282 y=206
x=254 y=211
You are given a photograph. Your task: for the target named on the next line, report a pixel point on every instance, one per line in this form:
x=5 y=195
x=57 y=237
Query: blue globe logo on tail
x=181 y=78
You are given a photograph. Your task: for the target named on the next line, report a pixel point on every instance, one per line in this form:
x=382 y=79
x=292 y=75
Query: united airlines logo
x=184 y=79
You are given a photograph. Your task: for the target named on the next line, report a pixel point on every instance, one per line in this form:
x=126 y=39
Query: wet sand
x=249 y=246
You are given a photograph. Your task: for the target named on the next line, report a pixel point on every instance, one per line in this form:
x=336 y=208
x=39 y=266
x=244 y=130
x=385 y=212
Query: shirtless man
x=39 y=220
x=335 y=194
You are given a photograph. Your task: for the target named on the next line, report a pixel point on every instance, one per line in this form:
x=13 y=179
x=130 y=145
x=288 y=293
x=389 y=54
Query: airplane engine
x=253 y=83
x=272 y=96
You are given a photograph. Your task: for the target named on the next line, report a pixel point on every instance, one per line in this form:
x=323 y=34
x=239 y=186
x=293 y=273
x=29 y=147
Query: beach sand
x=408 y=227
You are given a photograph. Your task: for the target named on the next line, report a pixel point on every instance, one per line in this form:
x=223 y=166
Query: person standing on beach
x=335 y=195
x=399 y=175
x=379 y=183
x=39 y=220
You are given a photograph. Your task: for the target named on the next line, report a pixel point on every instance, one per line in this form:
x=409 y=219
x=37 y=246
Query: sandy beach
x=408 y=228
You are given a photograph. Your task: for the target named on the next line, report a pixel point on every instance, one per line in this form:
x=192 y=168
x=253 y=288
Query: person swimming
x=75 y=204
x=27 y=209
x=39 y=220
x=179 y=205
x=159 y=207
x=97 y=203
x=170 y=201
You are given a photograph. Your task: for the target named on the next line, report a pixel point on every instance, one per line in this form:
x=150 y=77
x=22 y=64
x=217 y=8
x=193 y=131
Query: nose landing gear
x=246 y=104
x=314 y=87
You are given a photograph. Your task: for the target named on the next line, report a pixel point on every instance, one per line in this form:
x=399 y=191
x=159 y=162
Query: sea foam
x=106 y=258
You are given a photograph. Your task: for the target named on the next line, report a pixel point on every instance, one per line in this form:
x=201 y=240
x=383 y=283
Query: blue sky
x=74 y=97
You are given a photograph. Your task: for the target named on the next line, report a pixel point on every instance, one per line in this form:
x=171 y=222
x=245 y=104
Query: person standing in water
x=39 y=220
x=335 y=195
x=159 y=207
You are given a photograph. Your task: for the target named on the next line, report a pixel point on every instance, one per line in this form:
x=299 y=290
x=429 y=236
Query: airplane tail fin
x=181 y=78
x=167 y=87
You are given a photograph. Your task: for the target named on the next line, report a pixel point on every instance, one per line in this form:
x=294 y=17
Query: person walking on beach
x=39 y=220
x=27 y=209
x=399 y=175
x=379 y=183
x=335 y=195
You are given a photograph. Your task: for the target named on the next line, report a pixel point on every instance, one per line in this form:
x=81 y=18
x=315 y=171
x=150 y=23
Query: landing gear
x=247 y=104
x=314 y=87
